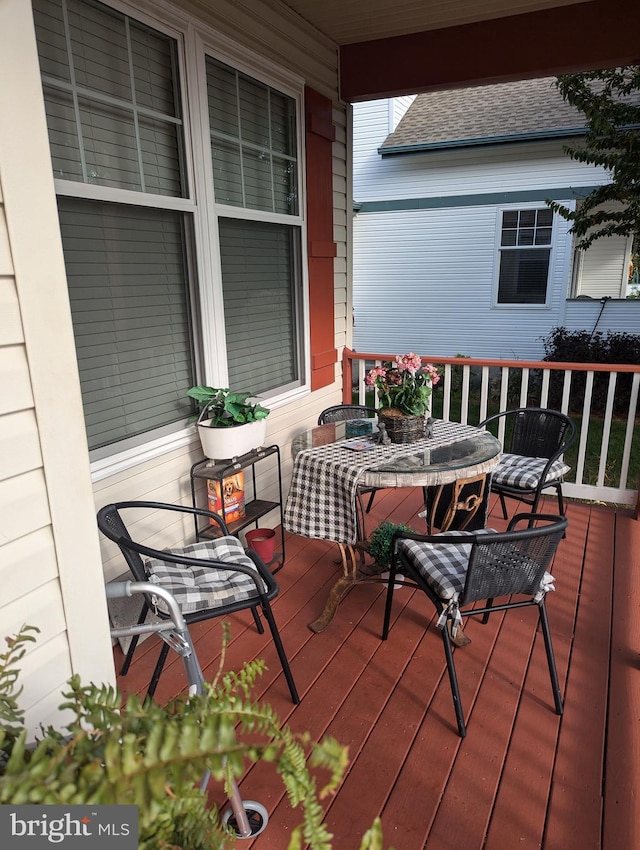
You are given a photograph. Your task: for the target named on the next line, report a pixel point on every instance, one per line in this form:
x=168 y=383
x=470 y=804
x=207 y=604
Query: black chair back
x=511 y=562
x=537 y=432
x=344 y=412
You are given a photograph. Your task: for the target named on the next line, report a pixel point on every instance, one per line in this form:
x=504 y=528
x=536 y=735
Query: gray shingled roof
x=483 y=114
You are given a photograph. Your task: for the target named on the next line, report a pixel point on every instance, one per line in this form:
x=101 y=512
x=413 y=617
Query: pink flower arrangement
x=404 y=384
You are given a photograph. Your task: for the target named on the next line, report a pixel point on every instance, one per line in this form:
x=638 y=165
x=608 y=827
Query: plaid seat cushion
x=201 y=588
x=442 y=565
x=525 y=472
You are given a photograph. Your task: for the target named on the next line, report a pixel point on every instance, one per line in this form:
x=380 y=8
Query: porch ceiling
x=389 y=48
x=364 y=20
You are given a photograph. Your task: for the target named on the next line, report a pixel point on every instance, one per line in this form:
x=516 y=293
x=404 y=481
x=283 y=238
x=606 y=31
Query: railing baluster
x=514 y=385
x=606 y=430
x=524 y=387
x=628 y=437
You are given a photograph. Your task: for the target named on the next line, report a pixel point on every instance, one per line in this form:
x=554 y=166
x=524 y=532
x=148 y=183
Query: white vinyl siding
x=603 y=269
x=424 y=281
x=50 y=568
x=460 y=172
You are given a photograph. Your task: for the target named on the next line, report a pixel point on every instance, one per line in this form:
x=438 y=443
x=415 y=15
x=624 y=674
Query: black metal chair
x=459 y=568
x=208 y=579
x=345 y=413
x=534 y=442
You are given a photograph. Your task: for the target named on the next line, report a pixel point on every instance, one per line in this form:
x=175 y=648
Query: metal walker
x=245 y=817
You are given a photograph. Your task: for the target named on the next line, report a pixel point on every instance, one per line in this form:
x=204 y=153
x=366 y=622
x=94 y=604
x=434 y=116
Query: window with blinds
x=112 y=99
x=253 y=142
x=127 y=286
x=524 y=256
x=130 y=233
x=260 y=268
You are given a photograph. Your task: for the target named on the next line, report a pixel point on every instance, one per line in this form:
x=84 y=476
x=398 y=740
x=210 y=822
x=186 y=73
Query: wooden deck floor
x=523 y=777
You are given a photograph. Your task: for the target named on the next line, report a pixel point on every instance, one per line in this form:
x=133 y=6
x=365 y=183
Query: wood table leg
x=348 y=579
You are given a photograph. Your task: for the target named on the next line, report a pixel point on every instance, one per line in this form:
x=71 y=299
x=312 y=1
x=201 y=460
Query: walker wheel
x=256 y=815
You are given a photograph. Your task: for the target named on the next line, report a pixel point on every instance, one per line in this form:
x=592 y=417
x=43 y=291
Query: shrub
x=564 y=346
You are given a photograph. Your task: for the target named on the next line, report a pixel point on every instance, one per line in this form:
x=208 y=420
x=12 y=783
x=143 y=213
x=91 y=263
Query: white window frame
x=519 y=207
x=208 y=43
x=194 y=40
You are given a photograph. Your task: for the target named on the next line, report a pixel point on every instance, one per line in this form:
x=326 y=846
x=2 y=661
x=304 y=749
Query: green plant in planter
x=225 y=408
x=153 y=756
x=379 y=542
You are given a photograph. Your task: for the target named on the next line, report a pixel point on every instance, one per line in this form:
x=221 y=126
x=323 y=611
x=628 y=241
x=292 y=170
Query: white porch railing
x=601 y=399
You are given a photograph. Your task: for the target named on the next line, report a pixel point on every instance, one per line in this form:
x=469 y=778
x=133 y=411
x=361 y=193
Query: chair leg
x=453 y=681
x=485 y=616
x=503 y=502
x=284 y=661
x=257 y=621
x=553 y=673
x=370 y=502
x=387 y=607
x=153 y=684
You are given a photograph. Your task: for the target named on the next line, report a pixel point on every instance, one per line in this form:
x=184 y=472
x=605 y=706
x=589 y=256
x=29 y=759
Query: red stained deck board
x=407 y=760
x=519 y=811
x=622 y=788
x=575 y=809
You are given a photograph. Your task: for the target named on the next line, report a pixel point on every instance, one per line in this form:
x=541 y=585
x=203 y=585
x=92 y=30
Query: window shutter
x=321 y=247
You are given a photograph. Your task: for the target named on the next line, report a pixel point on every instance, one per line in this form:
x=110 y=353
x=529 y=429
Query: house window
x=148 y=268
x=255 y=176
x=525 y=249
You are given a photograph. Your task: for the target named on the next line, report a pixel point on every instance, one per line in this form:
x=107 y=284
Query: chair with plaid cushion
x=457 y=568
x=534 y=440
x=208 y=579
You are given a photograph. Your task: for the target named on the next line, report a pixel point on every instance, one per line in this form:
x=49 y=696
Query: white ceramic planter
x=223 y=443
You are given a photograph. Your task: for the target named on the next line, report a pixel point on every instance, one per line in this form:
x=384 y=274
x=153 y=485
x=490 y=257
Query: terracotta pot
x=262 y=541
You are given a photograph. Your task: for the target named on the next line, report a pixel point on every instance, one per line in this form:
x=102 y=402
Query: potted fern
x=134 y=753
x=229 y=423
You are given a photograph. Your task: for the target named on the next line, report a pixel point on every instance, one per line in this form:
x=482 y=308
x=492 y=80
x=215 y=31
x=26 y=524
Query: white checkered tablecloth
x=322 y=497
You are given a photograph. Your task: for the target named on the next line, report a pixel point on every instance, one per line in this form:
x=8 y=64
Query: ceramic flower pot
x=233 y=441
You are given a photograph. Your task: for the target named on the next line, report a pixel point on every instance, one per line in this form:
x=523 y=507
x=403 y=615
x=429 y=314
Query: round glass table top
x=467 y=447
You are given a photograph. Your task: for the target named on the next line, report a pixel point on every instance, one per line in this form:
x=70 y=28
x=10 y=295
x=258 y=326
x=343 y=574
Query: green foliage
x=564 y=346
x=155 y=757
x=610 y=102
x=226 y=408
x=379 y=542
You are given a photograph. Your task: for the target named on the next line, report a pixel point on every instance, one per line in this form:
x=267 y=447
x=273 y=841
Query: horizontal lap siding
x=50 y=572
x=423 y=281
x=28 y=565
x=521 y=167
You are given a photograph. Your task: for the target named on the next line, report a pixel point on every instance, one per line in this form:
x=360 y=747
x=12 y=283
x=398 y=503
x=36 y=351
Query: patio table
x=328 y=470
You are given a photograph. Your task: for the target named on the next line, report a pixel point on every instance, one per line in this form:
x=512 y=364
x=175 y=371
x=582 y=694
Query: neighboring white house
x=454 y=249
